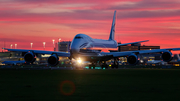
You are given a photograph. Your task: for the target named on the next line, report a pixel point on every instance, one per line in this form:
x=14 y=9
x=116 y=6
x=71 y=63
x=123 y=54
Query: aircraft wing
x=13 y=62
x=132 y=43
x=63 y=54
x=121 y=54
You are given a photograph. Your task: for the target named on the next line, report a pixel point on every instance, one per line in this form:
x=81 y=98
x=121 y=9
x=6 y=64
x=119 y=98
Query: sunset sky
x=36 y=21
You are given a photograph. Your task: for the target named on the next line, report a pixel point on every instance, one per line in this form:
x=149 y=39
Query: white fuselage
x=82 y=41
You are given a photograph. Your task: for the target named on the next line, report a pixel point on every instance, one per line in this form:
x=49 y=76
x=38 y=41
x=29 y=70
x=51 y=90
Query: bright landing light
x=79 y=61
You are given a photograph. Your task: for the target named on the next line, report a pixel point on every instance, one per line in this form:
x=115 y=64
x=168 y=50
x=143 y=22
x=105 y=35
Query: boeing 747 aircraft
x=82 y=47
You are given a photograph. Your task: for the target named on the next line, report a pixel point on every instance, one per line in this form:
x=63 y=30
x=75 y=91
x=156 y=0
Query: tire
x=89 y=66
x=101 y=66
x=116 y=66
x=112 y=66
x=106 y=66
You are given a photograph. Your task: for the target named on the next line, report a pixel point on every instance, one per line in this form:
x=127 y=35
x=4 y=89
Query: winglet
x=111 y=37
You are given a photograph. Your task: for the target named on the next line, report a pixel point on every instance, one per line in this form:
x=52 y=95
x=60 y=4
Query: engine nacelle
x=29 y=57
x=132 y=59
x=167 y=56
x=53 y=60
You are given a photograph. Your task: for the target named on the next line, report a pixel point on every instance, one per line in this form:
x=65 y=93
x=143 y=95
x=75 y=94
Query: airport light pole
x=31 y=45
x=15 y=46
x=59 y=44
x=11 y=46
x=53 y=44
x=44 y=45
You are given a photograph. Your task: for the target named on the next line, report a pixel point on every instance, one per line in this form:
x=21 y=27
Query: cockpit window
x=78 y=37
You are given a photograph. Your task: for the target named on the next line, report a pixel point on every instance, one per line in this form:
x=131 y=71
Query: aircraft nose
x=74 y=51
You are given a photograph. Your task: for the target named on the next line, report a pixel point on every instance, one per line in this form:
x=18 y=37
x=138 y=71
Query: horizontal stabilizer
x=132 y=43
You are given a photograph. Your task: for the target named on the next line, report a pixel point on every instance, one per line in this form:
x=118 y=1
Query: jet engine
x=167 y=56
x=132 y=59
x=29 y=57
x=53 y=60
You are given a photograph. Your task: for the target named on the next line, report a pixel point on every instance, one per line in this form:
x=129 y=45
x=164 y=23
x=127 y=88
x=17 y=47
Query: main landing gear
x=102 y=64
x=115 y=64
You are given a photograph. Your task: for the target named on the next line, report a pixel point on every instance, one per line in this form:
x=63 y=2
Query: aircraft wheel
x=106 y=66
x=94 y=67
x=89 y=66
x=101 y=66
x=112 y=66
x=116 y=66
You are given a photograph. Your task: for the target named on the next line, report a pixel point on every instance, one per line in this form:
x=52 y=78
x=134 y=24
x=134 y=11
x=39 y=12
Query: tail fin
x=111 y=37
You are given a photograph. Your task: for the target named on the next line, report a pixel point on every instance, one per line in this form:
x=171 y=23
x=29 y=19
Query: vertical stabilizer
x=111 y=37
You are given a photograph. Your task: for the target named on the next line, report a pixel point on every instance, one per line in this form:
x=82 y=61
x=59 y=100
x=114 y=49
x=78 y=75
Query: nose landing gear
x=92 y=65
